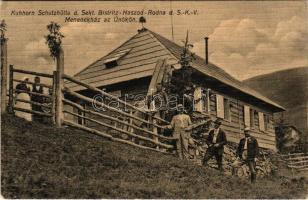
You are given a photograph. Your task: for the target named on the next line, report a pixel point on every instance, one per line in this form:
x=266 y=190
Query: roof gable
x=143 y=51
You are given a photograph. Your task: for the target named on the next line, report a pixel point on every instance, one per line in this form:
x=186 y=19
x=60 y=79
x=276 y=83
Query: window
x=198 y=99
x=206 y=100
x=261 y=121
x=220 y=106
x=267 y=122
x=246 y=116
x=113 y=59
x=252 y=118
x=227 y=109
x=111 y=64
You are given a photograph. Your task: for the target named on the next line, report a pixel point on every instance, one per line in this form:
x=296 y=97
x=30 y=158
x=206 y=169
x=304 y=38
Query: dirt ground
x=45 y=162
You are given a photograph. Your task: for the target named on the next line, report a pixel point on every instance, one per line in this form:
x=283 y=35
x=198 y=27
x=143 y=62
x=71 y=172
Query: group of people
x=247 y=150
x=22 y=94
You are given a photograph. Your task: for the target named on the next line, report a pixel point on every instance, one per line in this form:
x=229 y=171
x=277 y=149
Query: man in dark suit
x=248 y=150
x=37 y=88
x=216 y=141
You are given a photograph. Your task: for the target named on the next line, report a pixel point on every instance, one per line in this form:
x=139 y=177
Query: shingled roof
x=144 y=49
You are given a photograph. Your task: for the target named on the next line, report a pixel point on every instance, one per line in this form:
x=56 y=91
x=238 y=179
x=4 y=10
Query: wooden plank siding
x=235 y=127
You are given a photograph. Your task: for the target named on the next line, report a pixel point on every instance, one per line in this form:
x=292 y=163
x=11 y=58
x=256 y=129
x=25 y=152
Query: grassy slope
x=45 y=162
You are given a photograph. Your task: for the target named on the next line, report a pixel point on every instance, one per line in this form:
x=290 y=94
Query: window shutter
x=198 y=99
x=220 y=106
x=247 y=116
x=261 y=121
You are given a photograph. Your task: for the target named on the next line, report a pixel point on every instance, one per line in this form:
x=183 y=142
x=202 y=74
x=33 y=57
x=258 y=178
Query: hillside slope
x=45 y=162
x=289 y=88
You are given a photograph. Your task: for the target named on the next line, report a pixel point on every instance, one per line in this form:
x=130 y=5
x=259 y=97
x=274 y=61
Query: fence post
x=11 y=94
x=58 y=88
x=3 y=53
x=155 y=130
x=131 y=129
x=53 y=98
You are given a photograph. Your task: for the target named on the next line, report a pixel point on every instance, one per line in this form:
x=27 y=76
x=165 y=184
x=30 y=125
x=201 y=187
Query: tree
x=181 y=82
x=186 y=55
x=54 y=39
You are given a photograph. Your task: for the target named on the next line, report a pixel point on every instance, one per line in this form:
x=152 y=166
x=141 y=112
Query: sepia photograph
x=154 y=99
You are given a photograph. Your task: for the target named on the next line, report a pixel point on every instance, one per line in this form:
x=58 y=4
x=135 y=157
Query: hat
x=246 y=129
x=218 y=121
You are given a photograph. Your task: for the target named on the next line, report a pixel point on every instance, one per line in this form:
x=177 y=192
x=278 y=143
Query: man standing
x=247 y=151
x=179 y=123
x=37 y=88
x=216 y=141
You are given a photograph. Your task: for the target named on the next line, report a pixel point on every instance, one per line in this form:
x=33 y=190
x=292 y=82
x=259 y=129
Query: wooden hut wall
x=235 y=126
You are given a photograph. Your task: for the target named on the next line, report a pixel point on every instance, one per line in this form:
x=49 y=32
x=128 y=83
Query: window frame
x=246 y=109
x=113 y=61
x=261 y=122
x=220 y=111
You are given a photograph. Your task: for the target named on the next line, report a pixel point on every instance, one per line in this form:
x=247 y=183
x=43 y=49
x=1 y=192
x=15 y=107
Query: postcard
x=154 y=99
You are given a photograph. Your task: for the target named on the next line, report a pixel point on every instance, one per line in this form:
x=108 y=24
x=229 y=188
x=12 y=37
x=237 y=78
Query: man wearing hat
x=248 y=150
x=216 y=141
x=179 y=123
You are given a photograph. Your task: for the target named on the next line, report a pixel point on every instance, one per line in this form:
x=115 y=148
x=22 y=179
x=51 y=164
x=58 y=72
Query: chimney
x=206 y=51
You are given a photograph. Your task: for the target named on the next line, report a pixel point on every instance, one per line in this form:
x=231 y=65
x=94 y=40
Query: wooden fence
x=48 y=100
x=297 y=161
x=117 y=124
x=117 y=120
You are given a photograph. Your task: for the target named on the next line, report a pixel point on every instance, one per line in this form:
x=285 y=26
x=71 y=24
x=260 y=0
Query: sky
x=246 y=38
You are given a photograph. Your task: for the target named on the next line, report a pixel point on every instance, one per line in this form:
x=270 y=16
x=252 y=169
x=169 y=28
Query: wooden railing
x=115 y=121
x=298 y=161
x=78 y=82
x=148 y=133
